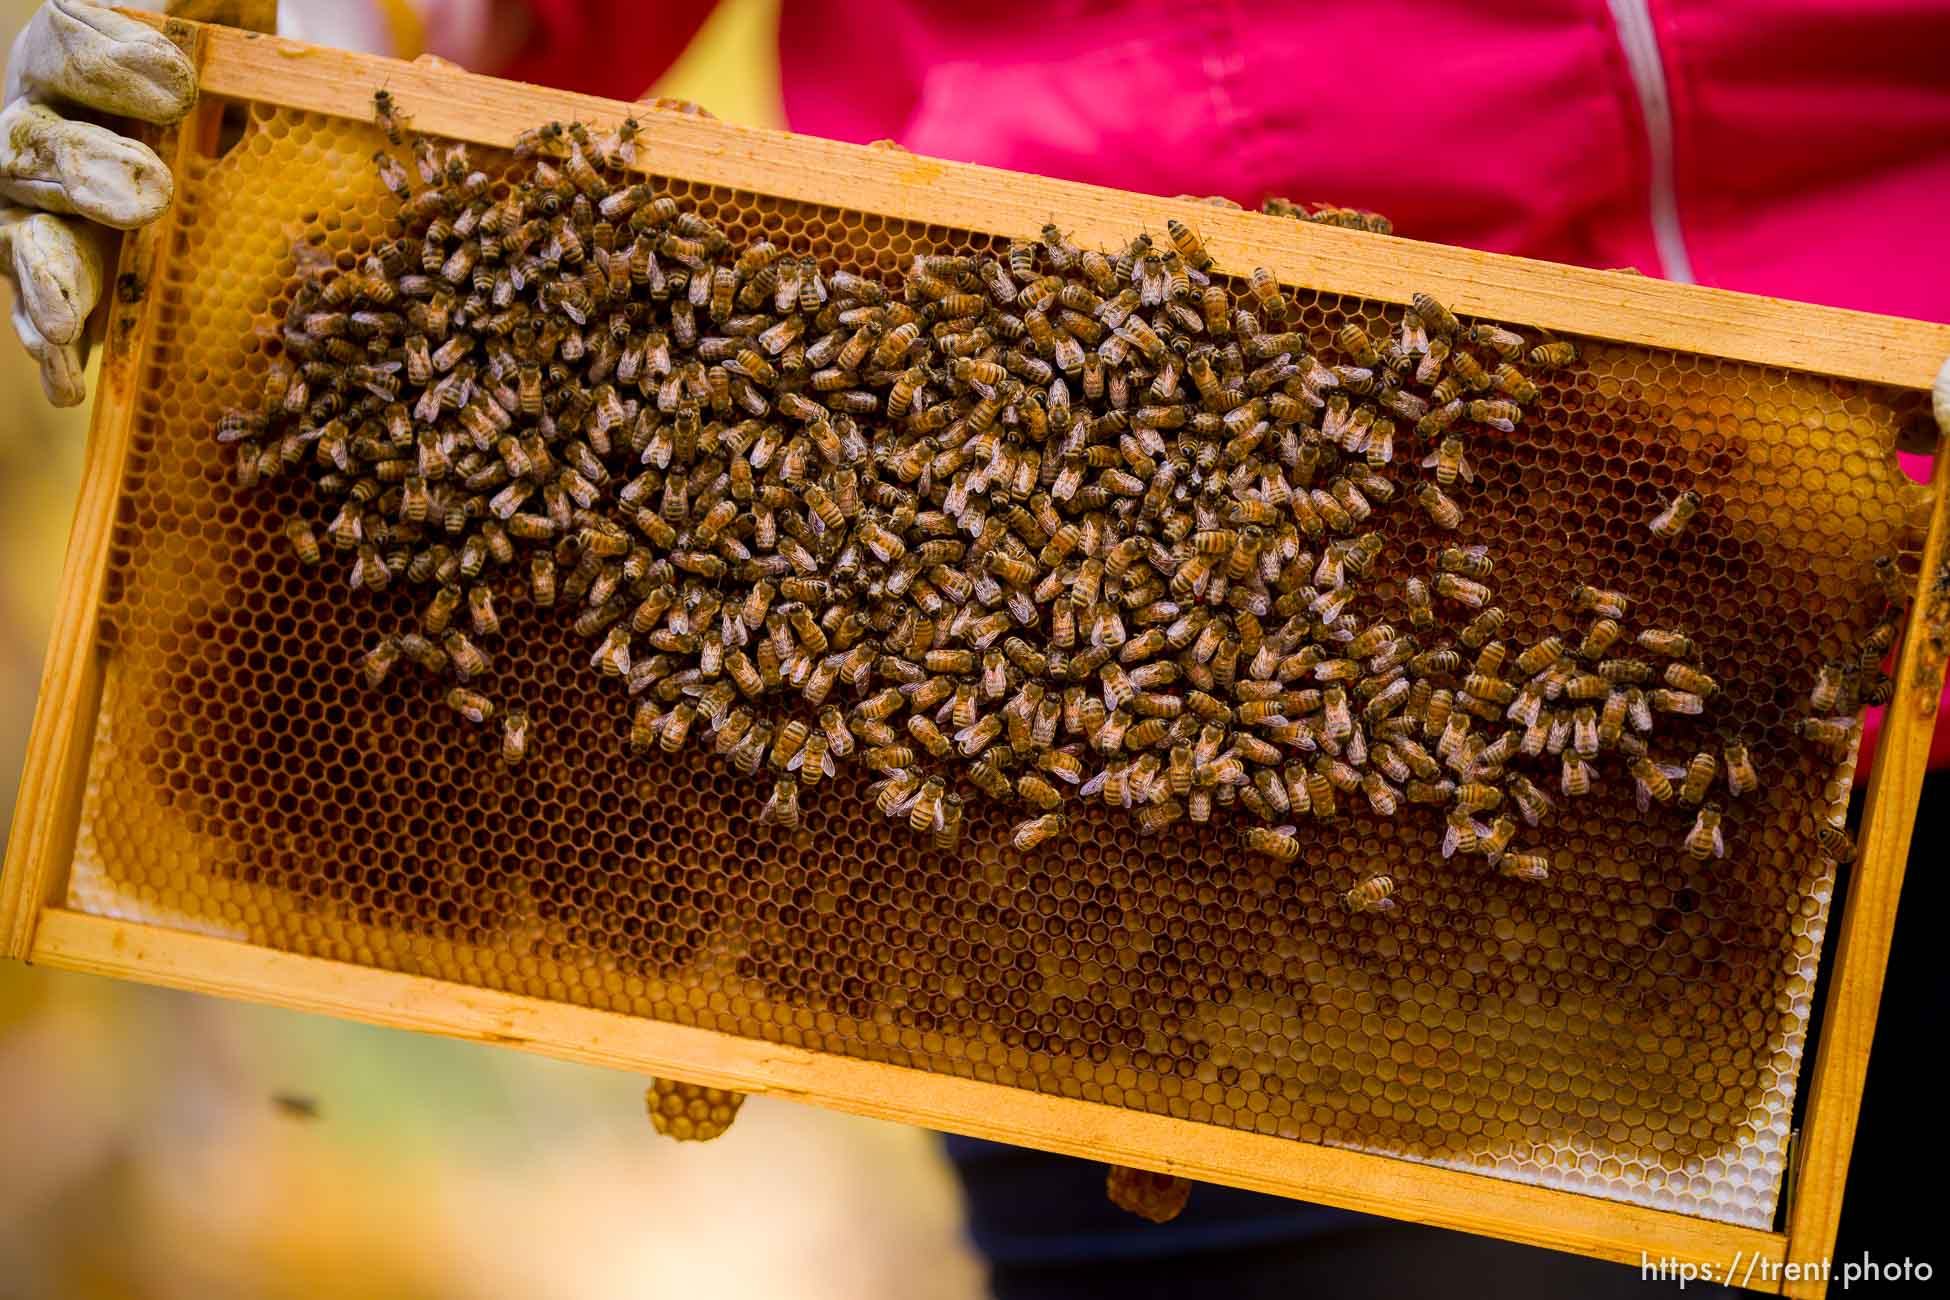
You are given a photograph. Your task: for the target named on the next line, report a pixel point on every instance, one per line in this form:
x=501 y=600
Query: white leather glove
x=59 y=178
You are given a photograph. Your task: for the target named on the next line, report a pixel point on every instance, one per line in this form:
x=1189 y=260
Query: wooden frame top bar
x=1623 y=306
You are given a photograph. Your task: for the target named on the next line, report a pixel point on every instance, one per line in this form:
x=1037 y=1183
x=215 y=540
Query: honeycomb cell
x=1631 y=1028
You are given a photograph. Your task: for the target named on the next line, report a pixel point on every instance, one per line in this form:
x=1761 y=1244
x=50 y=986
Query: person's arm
x=613 y=48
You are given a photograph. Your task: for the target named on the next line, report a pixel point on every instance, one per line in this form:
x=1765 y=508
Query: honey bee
x=1320 y=796
x=1699 y=777
x=1652 y=782
x=1835 y=843
x=947 y=824
x=1434 y=316
x=1532 y=803
x=1277 y=843
x=514 y=737
x=471 y=705
x=1035 y=831
x=676 y=727
x=1534 y=868
x=924 y=813
x=423 y=653
x=1606 y=604
x=895 y=794
x=1496 y=842
x=1484 y=626
x=1513 y=383
x=1575 y=779
x=1442 y=511
x=1831 y=690
x=1599 y=638
x=1372 y=895
x=1382 y=797
x=1554 y=354
x=1741 y=779
x=1496 y=413
x=1190 y=247
x=1421 y=612
x=1833 y=732
x=1471 y=561
x=1670 y=522
x=781 y=807
x=1450 y=462
x=466 y=657
x=1670 y=644
x=1266 y=293
x=791 y=738
x=1705 y=839
x=1462 y=833
x=1685 y=678
x=1890 y=577
x=1675 y=701
x=1464 y=591
x=379 y=661
x=304 y=542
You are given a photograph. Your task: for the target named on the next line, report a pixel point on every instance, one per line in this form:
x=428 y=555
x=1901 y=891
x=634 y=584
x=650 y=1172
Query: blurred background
x=146 y=1151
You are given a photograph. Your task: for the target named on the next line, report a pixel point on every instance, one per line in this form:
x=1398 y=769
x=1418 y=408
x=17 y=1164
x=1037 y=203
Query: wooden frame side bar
x=1469 y=1202
x=47 y=808
x=1626 y=307
x=1868 y=919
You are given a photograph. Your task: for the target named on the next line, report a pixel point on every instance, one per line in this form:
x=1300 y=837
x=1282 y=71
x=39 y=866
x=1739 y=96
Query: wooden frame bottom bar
x=1351 y=1180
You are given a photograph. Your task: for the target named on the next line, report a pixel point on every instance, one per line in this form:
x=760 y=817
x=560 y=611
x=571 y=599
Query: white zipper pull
x=1633 y=19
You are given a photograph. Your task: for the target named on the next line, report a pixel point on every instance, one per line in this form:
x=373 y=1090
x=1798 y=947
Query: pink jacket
x=1791 y=147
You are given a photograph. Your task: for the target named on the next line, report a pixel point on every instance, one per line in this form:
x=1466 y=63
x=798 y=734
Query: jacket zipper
x=1640 y=42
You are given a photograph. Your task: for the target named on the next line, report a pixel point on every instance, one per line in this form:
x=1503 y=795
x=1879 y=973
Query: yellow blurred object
x=251 y=15
x=408 y=32
x=732 y=65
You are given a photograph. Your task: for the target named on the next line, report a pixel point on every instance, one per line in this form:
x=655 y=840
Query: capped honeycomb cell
x=1629 y=1028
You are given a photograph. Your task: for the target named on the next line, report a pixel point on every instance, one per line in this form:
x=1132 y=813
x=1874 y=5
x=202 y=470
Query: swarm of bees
x=1059 y=525
x=1843 y=687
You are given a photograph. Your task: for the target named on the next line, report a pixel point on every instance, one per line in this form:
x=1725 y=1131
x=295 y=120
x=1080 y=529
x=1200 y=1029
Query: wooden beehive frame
x=239 y=66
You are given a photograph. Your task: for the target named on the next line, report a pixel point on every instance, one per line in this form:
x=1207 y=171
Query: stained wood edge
x=1868 y=918
x=1444 y=1198
x=47 y=805
x=1622 y=306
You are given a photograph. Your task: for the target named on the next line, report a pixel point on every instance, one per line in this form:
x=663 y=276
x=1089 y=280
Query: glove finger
x=82 y=53
x=51 y=163
x=61 y=363
x=56 y=269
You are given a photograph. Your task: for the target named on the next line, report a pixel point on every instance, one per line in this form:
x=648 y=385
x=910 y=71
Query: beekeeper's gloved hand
x=60 y=179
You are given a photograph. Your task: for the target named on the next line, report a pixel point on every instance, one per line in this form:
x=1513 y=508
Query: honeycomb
x=1157 y=1197
x=688 y=1112
x=1630 y=1029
